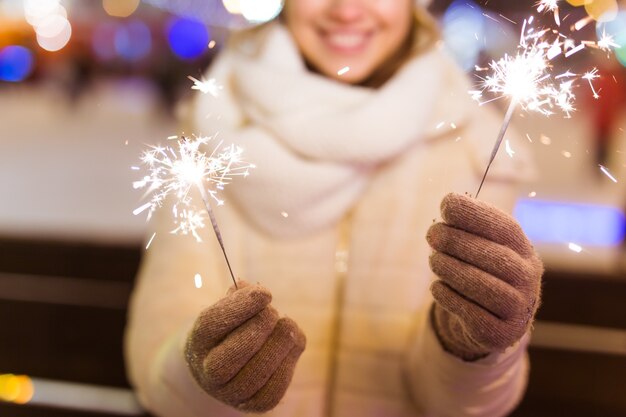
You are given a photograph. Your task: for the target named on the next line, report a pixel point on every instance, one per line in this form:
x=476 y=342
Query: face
x=361 y=35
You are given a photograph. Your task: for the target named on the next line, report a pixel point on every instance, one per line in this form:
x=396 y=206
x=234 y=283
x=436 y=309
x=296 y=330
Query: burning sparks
x=607 y=173
x=150 y=240
x=550 y=6
x=209 y=86
x=526 y=78
x=508 y=149
x=175 y=170
x=590 y=76
x=607 y=42
x=547 y=5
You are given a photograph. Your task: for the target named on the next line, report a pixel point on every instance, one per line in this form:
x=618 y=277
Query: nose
x=347 y=10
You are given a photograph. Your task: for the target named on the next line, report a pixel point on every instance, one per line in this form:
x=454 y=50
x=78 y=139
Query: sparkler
x=526 y=79
x=176 y=170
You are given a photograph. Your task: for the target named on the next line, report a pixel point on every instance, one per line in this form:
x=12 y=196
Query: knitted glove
x=489 y=278
x=241 y=353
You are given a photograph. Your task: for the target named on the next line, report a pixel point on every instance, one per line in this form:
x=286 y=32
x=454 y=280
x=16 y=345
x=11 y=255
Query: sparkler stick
x=496 y=147
x=216 y=229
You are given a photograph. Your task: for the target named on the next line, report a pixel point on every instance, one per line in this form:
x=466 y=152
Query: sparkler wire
x=216 y=229
x=496 y=147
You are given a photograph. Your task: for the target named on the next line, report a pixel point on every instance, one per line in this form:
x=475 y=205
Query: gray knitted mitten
x=489 y=278
x=241 y=352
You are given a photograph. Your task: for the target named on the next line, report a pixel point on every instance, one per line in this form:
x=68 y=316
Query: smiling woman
x=360 y=35
x=349 y=110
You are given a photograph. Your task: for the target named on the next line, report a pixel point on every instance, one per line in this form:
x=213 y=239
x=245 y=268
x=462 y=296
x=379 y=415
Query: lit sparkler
x=176 y=170
x=526 y=78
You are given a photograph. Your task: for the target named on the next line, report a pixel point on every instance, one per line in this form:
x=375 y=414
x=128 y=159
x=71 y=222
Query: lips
x=346 y=42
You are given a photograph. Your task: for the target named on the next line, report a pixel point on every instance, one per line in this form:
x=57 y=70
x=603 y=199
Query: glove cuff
x=452 y=335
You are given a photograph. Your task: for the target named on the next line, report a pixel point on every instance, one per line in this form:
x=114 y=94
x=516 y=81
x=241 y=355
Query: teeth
x=346 y=40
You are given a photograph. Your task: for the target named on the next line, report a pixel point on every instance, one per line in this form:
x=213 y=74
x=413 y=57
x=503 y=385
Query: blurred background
x=86 y=85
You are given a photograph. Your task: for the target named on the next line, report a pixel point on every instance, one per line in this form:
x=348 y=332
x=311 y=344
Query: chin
x=350 y=77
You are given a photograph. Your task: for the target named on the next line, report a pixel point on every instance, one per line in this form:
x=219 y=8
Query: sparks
x=607 y=173
x=590 y=76
x=176 y=170
x=150 y=240
x=209 y=86
x=547 y=5
x=508 y=149
x=550 y=6
x=526 y=78
x=606 y=42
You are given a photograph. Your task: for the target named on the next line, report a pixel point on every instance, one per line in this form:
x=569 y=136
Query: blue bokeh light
x=16 y=63
x=188 y=38
x=464 y=31
x=133 y=41
x=558 y=222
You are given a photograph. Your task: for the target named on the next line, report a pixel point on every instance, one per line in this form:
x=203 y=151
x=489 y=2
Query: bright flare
x=175 y=170
x=209 y=86
x=526 y=77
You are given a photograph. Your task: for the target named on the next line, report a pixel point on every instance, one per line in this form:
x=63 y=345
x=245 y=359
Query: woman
x=359 y=126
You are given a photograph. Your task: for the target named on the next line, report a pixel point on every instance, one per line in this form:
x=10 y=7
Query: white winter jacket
x=336 y=234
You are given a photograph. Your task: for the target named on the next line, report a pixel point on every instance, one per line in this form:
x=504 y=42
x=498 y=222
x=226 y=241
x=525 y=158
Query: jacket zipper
x=341 y=273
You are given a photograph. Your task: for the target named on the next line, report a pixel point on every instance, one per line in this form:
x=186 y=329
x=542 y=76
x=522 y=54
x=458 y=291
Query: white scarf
x=316 y=141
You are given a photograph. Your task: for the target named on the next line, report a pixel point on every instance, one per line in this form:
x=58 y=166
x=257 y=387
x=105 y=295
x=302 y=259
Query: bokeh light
x=232 y=6
x=559 y=222
x=58 y=41
x=16 y=388
x=133 y=40
x=464 y=32
x=188 y=38
x=49 y=20
x=103 y=41
x=37 y=10
x=579 y=2
x=256 y=11
x=16 y=63
x=602 y=10
x=51 y=25
x=120 y=8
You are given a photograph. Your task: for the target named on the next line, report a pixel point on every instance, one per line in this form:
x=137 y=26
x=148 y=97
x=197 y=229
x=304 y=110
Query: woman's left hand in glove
x=489 y=278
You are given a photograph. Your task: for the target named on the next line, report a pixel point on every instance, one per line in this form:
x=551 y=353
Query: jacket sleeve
x=163 y=307
x=441 y=384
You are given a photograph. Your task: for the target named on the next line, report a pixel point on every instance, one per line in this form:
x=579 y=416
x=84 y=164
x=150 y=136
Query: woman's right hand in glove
x=241 y=353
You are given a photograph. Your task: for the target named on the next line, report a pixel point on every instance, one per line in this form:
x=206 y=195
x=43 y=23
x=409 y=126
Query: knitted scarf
x=315 y=141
